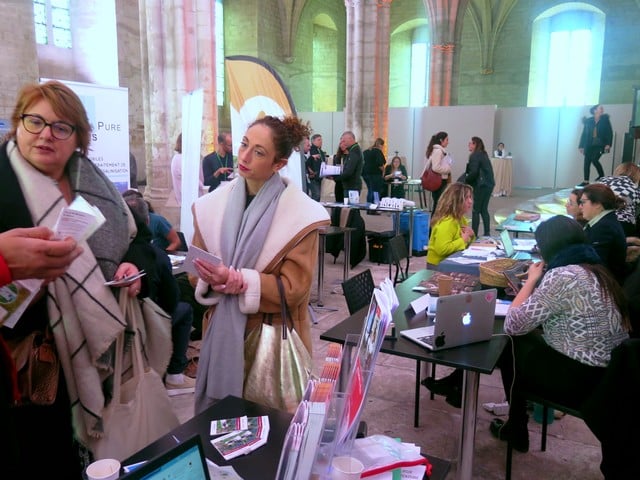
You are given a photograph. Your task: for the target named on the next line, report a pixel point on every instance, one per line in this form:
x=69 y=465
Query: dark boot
x=515 y=433
x=446 y=385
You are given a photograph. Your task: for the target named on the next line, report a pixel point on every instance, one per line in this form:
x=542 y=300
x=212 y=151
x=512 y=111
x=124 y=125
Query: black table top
x=262 y=463
x=479 y=357
x=259 y=464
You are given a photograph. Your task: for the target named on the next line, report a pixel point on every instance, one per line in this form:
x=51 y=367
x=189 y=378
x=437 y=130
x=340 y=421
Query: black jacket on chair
x=613 y=413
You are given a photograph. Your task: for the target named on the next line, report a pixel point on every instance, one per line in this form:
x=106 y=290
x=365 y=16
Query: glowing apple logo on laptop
x=466 y=319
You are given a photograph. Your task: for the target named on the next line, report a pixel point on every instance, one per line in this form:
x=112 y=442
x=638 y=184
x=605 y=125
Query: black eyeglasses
x=36 y=124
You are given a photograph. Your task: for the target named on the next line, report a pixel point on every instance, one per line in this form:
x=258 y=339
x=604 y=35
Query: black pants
x=481 y=197
x=435 y=196
x=592 y=156
x=544 y=371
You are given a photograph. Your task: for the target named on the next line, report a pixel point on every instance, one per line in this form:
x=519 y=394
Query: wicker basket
x=491 y=272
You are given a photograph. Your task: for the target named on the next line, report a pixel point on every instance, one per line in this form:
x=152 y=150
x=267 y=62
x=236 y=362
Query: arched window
x=52 y=22
x=566 y=56
x=409 y=65
x=325 y=65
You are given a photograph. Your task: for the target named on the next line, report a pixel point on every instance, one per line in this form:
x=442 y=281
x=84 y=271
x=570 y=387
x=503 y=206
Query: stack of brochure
x=240 y=436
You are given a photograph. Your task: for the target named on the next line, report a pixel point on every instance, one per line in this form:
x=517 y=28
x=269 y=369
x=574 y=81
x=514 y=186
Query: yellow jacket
x=446 y=239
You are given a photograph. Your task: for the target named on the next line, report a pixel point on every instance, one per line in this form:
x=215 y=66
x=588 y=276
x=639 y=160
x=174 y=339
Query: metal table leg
x=468 y=424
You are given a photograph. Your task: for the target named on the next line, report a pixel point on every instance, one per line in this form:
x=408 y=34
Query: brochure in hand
x=78 y=220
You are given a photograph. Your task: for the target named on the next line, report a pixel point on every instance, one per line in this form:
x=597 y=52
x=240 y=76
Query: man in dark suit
x=351 y=176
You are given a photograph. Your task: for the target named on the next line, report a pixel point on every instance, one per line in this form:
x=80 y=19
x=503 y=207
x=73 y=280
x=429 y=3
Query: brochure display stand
x=326 y=421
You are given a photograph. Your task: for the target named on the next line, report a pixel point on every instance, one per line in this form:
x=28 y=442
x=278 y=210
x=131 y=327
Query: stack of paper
x=253 y=434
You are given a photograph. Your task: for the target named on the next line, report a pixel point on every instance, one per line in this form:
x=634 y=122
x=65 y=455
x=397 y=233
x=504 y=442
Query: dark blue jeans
x=481 y=197
x=181 y=322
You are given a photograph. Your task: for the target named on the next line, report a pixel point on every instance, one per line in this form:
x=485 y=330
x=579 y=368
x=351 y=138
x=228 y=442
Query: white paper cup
x=105 y=469
x=346 y=468
x=346 y=200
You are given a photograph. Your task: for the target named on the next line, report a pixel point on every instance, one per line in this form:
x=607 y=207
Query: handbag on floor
x=277 y=364
x=140 y=411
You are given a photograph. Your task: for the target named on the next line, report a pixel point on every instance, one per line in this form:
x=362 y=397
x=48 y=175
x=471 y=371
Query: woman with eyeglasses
x=564 y=323
x=598 y=206
x=573 y=206
x=43 y=168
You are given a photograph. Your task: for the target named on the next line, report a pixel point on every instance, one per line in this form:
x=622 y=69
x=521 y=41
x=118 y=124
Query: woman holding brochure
x=43 y=168
x=262 y=227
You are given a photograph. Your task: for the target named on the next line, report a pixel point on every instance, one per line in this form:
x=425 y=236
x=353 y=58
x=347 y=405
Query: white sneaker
x=179 y=384
x=497 y=408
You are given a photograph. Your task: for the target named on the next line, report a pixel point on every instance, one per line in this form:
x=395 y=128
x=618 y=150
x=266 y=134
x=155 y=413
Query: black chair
x=183 y=243
x=399 y=253
x=358 y=290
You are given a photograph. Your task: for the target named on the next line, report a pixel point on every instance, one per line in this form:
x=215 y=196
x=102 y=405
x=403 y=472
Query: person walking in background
x=394 y=174
x=262 y=226
x=595 y=140
x=313 y=163
x=217 y=167
x=338 y=159
x=352 y=163
x=624 y=183
x=372 y=169
x=440 y=163
x=479 y=174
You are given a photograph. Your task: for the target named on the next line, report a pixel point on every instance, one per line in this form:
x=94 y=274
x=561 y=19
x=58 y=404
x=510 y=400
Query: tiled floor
x=572 y=450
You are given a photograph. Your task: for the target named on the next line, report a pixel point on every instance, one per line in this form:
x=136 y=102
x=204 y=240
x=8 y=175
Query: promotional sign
x=256 y=90
x=108 y=112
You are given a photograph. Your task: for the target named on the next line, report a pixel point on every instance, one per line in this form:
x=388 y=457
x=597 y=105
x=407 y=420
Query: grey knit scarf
x=221 y=364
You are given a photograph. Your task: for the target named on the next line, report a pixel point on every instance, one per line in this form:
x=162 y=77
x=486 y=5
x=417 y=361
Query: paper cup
x=346 y=468
x=346 y=200
x=445 y=285
x=105 y=469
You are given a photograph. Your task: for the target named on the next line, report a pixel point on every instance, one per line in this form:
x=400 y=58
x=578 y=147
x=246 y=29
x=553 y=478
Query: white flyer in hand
x=194 y=252
x=78 y=220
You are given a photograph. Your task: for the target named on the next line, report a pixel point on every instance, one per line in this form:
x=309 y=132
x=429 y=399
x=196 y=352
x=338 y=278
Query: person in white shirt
x=499 y=152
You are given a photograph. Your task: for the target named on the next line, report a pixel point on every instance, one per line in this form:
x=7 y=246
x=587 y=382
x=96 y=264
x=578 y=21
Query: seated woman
x=450 y=230
x=394 y=174
x=565 y=359
x=573 y=206
x=598 y=206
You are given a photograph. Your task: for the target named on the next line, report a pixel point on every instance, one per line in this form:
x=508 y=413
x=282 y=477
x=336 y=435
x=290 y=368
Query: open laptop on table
x=185 y=461
x=460 y=320
x=509 y=249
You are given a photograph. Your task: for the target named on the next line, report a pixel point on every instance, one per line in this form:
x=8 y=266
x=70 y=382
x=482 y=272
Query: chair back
x=358 y=291
x=399 y=255
x=183 y=242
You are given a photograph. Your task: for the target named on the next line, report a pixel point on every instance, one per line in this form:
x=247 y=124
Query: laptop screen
x=507 y=244
x=186 y=461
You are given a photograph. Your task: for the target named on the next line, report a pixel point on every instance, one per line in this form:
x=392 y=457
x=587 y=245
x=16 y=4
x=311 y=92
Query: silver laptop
x=460 y=320
x=509 y=249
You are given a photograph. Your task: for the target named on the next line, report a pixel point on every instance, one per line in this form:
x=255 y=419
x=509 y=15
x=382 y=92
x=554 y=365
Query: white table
x=503 y=174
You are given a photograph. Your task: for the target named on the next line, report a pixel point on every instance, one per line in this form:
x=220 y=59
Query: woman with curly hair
x=450 y=231
x=262 y=226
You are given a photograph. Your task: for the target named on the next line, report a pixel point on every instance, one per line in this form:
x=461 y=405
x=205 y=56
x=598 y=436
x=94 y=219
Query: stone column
x=177 y=39
x=445 y=22
x=367 y=96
